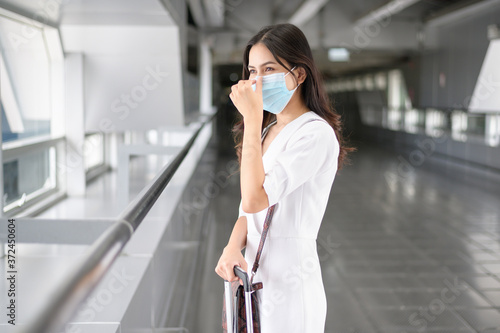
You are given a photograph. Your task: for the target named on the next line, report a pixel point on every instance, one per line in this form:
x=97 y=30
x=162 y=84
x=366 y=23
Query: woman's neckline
x=277 y=135
x=276 y=120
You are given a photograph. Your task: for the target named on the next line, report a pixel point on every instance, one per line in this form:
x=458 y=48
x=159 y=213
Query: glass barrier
x=383 y=101
x=28 y=176
x=460 y=125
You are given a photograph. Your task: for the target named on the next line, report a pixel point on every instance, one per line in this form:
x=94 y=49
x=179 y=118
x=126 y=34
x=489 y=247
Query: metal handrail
x=104 y=251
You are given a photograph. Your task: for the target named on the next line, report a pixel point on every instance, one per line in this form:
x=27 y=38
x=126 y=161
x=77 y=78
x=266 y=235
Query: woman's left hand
x=247 y=101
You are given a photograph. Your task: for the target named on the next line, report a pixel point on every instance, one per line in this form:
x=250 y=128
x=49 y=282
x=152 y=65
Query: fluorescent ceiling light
x=306 y=11
x=337 y=54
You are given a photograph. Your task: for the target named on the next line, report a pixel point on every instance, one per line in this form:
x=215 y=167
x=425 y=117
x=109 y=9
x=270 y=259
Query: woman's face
x=261 y=62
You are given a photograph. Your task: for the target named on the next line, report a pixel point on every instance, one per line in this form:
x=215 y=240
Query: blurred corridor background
x=120 y=182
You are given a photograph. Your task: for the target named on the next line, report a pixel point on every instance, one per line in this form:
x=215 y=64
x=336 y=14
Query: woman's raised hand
x=247 y=101
x=230 y=257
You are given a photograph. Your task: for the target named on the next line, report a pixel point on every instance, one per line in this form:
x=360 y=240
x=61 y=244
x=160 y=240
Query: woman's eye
x=252 y=71
x=268 y=69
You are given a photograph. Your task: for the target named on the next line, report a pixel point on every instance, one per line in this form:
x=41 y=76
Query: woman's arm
x=232 y=256
x=238 y=238
x=252 y=175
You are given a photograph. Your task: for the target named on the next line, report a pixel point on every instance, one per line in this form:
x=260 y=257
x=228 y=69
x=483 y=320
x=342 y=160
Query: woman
x=291 y=163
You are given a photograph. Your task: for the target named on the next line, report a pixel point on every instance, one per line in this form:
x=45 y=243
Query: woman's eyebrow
x=266 y=63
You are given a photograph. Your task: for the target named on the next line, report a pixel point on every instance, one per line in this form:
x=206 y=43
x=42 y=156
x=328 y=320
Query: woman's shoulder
x=316 y=125
x=318 y=137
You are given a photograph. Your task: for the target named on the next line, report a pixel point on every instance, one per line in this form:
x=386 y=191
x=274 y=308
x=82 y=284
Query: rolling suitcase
x=239 y=315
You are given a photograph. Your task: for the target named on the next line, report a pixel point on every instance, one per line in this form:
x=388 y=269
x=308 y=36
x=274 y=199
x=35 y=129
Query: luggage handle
x=247 y=287
x=239 y=272
x=230 y=304
x=247 y=283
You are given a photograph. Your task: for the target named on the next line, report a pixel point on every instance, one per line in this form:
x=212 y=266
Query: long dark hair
x=287 y=42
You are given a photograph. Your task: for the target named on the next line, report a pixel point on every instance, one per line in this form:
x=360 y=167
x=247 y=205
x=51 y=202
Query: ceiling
x=373 y=44
x=382 y=42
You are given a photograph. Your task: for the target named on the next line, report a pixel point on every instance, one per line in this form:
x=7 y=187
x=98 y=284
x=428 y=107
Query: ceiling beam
x=214 y=11
x=384 y=11
x=307 y=11
x=458 y=11
x=198 y=13
x=207 y=13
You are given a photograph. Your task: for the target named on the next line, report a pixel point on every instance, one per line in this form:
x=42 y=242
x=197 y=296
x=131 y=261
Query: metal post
x=229 y=305
x=205 y=74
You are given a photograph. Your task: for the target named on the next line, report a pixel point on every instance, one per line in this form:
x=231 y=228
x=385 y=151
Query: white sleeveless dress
x=300 y=166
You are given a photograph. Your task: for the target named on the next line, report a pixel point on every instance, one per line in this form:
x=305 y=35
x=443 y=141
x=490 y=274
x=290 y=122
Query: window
x=435 y=122
x=28 y=176
x=412 y=121
x=394 y=119
x=397 y=95
x=31 y=81
x=459 y=125
x=25 y=78
x=492 y=130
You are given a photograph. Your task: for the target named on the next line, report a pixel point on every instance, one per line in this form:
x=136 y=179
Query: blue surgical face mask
x=275 y=94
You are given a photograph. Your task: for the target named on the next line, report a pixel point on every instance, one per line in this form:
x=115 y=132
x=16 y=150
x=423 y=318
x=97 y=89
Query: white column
x=205 y=74
x=113 y=141
x=74 y=169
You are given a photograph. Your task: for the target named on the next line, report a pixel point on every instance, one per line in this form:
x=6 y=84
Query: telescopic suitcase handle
x=247 y=283
x=231 y=311
x=239 y=272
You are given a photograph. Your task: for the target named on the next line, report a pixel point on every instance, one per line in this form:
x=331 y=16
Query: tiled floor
x=412 y=251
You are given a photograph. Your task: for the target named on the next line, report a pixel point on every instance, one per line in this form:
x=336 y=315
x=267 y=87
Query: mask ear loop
x=298 y=84
x=290 y=70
